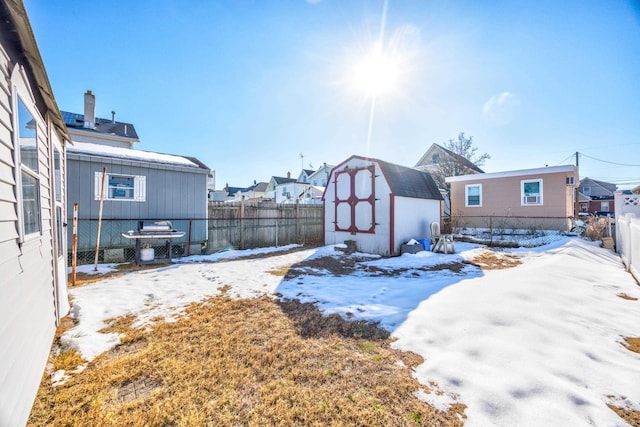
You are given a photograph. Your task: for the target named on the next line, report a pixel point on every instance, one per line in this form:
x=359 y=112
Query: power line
x=606 y=161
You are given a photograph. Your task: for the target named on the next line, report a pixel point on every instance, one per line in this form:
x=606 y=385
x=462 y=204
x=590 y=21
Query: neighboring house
x=436 y=154
x=542 y=198
x=33 y=288
x=379 y=205
x=139 y=185
x=596 y=196
x=305 y=174
x=279 y=194
x=307 y=189
x=257 y=191
x=320 y=177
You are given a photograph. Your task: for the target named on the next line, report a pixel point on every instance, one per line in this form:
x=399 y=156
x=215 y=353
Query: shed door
x=355 y=200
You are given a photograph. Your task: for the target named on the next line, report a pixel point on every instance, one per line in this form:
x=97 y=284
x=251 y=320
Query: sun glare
x=376 y=73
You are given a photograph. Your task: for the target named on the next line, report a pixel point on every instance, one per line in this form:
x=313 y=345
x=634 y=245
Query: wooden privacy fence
x=249 y=224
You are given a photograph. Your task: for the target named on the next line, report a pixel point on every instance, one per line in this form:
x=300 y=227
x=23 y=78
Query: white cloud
x=501 y=109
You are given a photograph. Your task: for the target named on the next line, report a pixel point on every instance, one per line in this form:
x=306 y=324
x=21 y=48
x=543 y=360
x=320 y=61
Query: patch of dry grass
x=241 y=362
x=490 y=260
x=627 y=297
x=631 y=416
x=632 y=344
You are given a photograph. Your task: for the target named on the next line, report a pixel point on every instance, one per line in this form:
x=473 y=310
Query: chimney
x=89 y=110
x=289 y=175
x=113 y=117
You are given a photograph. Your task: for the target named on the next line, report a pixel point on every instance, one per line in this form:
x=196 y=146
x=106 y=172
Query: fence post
x=74 y=244
x=242 y=222
x=297 y=220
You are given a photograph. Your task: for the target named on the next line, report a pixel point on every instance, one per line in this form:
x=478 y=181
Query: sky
x=256 y=89
x=560 y=364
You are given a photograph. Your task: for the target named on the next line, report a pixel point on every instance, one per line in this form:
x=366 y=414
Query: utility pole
x=576 y=206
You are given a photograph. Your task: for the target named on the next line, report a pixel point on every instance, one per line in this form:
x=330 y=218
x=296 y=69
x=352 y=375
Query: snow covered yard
x=541 y=343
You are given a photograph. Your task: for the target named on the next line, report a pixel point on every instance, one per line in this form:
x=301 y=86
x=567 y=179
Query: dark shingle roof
x=104 y=126
x=282 y=180
x=408 y=182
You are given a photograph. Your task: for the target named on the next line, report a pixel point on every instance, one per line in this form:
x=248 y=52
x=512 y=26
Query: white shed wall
x=412 y=219
x=377 y=242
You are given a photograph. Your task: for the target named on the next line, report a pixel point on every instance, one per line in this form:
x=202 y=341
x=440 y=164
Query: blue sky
x=247 y=86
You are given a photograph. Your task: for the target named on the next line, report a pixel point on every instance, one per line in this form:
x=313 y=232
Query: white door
x=59 y=234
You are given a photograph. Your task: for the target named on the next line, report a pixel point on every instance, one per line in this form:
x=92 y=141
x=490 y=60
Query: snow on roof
x=128 y=153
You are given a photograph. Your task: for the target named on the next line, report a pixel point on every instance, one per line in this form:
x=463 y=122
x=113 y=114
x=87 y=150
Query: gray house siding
x=173 y=193
x=27 y=278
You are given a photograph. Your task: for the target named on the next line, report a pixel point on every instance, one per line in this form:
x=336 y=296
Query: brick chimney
x=89 y=110
x=289 y=175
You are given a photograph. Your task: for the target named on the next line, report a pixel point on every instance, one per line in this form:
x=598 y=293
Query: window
x=435 y=158
x=29 y=177
x=121 y=187
x=586 y=191
x=531 y=191
x=473 y=195
x=604 y=206
x=57 y=170
x=570 y=180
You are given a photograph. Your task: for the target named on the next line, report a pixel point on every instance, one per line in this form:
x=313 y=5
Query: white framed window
x=604 y=206
x=586 y=191
x=531 y=192
x=473 y=195
x=132 y=188
x=57 y=173
x=29 y=180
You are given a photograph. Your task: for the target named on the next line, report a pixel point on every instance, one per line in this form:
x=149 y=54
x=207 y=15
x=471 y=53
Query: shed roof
x=139 y=155
x=409 y=182
x=405 y=181
x=102 y=126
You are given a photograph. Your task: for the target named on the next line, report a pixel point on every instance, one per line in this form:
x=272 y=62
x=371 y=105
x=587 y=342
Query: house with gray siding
x=33 y=287
x=138 y=185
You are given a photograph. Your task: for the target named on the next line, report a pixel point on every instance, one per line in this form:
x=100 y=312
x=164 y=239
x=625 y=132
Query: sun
x=376 y=73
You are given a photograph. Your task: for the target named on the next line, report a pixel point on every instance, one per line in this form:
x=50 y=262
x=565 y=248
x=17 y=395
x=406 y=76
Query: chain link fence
x=509 y=231
x=201 y=236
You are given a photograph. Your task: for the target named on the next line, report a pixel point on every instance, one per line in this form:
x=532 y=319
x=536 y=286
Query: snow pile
x=539 y=344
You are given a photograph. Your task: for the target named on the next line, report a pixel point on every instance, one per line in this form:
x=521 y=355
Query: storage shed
x=379 y=205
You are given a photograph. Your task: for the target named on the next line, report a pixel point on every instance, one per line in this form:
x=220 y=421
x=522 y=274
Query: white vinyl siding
x=531 y=192
x=127 y=188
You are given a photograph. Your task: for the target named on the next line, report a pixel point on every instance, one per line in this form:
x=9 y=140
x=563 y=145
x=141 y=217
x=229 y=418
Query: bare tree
x=461 y=159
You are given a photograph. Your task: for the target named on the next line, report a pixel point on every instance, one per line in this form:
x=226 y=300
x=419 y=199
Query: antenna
x=301 y=161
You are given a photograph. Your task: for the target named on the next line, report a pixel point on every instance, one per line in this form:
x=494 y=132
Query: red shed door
x=355 y=200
